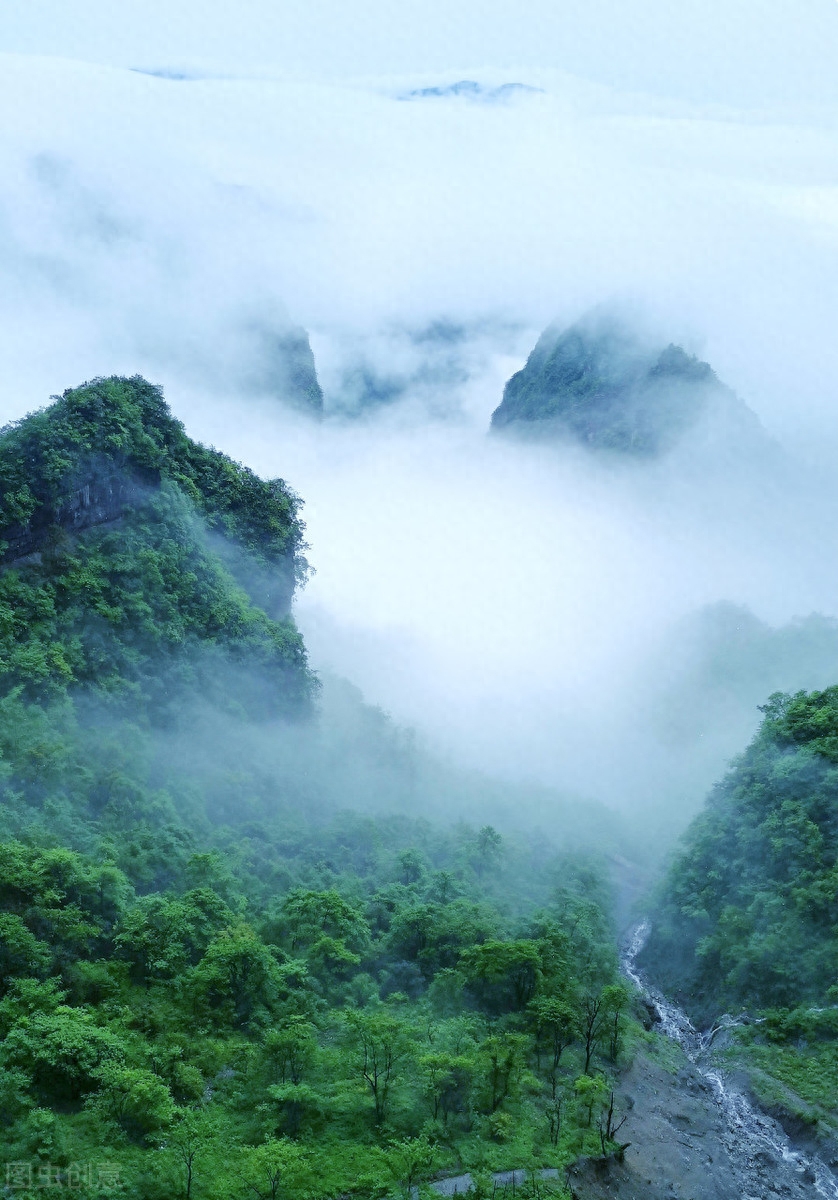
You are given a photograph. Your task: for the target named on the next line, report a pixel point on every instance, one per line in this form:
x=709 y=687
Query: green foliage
x=122 y=427
x=131 y=551
x=748 y=912
x=596 y=382
x=208 y=1039
x=209 y=974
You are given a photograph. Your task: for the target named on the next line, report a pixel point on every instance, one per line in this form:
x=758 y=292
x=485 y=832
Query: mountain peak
x=101 y=446
x=132 y=557
x=600 y=384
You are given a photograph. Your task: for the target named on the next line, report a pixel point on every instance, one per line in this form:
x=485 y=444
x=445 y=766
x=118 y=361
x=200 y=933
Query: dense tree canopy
x=749 y=911
x=214 y=978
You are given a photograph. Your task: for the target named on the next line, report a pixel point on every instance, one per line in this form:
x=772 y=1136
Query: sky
x=179 y=182
x=751 y=52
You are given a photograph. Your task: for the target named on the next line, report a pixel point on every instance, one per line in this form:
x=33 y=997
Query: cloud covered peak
x=602 y=384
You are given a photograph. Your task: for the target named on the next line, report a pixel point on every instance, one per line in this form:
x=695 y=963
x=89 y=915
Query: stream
x=761 y=1158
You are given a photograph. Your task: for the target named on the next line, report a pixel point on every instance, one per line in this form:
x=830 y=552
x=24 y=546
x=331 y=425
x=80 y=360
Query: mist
x=534 y=611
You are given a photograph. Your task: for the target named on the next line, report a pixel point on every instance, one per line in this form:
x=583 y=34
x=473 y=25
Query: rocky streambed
x=692 y=1135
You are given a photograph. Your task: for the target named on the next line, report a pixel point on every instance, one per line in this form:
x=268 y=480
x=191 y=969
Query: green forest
x=255 y=940
x=221 y=975
x=747 y=916
x=748 y=912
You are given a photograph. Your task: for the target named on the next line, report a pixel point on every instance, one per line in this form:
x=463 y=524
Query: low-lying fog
x=606 y=627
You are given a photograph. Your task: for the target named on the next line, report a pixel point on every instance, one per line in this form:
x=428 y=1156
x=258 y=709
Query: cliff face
x=284 y=367
x=104 y=447
x=101 y=499
x=598 y=384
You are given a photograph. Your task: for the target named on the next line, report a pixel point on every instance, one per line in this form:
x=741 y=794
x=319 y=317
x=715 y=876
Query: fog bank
x=530 y=609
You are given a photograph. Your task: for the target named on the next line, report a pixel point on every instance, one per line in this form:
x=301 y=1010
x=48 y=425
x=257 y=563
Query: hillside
x=746 y=918
x=125 y=545
x=599 y=384
x=748 y=912
x=215 y=977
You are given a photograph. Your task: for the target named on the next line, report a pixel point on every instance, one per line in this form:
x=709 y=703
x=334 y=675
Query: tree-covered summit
x=598 y=383
x=141 y=565
x=119 y=430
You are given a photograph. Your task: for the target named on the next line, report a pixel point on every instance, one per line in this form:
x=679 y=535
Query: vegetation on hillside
x=748 y=913
x=146 y=600
x=599 y=385
x=215 y=980
x=339 y=1011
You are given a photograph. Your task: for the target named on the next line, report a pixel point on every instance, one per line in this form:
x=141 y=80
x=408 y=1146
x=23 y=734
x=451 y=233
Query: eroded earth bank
x=692 y=1133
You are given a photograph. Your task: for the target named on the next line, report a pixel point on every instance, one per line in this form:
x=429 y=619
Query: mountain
x=216 y=978
x=127 y=549
x=281 y=364
x=470 y=89
x=599 y=384
x=747 y=914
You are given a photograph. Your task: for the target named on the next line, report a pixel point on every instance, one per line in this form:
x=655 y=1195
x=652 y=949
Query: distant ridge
x=470 y=89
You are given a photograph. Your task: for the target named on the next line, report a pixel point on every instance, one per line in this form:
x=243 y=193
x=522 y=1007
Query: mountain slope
x=213 y=977
x=749 y=910
x=599 y=384
x=125 y=547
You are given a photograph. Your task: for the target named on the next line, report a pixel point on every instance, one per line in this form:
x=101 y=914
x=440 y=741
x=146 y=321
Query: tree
x=448 y=1080
x=160 y=937
x=502 y=1056
x=408 y=1162
x=307 y=916
x=237 y=976
x=503 y=976
x=489 y=846
x=593 y=1018
x=298 y=1105
x=609 y=1127
x=555 y=1111
x=278 y=1168
x=136 y=1099
x=290 y=1049
x=591 y=1091
x=413 y=866
x=556 y=1027
x=21 y=953
x=380 y=1044
x=615 y=998
x=63 y=1051
x=193 y=1131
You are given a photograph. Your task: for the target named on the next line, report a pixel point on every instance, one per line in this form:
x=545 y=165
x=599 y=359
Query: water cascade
x=754 y=1138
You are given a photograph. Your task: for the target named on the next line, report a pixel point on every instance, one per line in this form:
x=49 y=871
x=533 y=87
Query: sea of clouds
x=176 y=187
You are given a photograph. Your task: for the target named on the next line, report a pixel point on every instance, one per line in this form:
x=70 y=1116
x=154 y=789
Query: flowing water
x=753 y=1136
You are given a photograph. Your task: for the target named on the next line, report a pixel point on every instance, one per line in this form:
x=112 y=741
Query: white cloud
x=506 y=599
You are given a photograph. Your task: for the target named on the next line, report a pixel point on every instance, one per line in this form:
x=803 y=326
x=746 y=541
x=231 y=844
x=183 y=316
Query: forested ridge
x=215 y=978
x=747 y=916
x=749 y=910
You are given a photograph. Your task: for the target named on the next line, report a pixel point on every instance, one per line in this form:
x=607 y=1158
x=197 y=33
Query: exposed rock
x=470 y=89
x=592 y=1178
x=97 y=496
